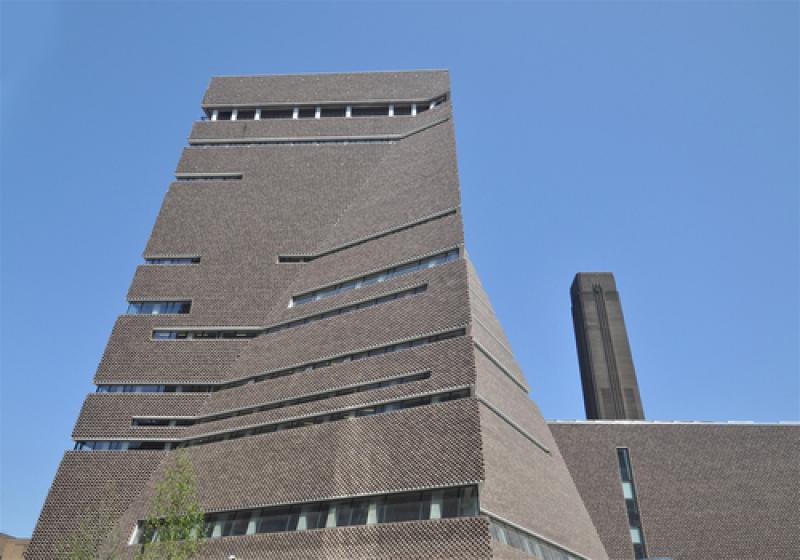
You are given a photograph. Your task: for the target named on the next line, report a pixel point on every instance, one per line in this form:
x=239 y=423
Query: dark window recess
x=178 y=260
x=298 y=369
x=376 y=277
x=285 y=113
x=131 y=389
x=147 y=422
x=333 y=112
x=205 y=335
x=281 y=426
x=285 y=403
x=370 y=111
x=631 y=503
x=227 y=334
x=539 y=549
x=236 y=177
x=307 y=112
x=294 y=259
x=158 y=307
x=328 y=111
x=367 y=510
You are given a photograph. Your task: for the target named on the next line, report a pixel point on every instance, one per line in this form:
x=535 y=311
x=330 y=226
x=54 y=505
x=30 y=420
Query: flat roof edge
x=677 y=422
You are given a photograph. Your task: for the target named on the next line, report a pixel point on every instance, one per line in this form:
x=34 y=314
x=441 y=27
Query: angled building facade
x=307 y=325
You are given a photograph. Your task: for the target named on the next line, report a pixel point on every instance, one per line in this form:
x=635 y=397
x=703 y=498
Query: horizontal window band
x=347 y=413
x=171 y=307
x=513 y=424
x=323 y=103
x=238 y=333
x=335 y=359
x=518 y=537
x=208 y=176
x=172 y=260
x=375 y=277
x=396 y=507
x=313 y=256
x=302 y=399
x=354 y=139
x=247 y=143
x=193 y=333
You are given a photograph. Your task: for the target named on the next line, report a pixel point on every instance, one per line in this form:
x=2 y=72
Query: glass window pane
x=402 y=507
x=450 y=502
x=285 y=113
x=273 y=520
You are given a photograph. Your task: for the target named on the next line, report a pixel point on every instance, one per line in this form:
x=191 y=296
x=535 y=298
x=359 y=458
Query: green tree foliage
x=175 y=518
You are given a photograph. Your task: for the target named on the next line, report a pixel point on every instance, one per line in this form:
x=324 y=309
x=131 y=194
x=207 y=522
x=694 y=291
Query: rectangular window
x=526 y=542
x=246 y=115
x=374 y=278
x=300 y=517
x=326 y=112
x=402 y=110
x=275 y=520
x=307 y=112
x=405 y=507
x=370 y=111
x=224 y=115
x=158 y=307
x=631 y=502
x=176 y=260
x=281 y=113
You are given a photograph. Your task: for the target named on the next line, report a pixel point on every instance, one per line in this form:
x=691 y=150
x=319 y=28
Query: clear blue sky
x=655 y=140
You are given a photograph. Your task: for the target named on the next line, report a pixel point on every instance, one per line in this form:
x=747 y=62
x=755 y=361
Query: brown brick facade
x=363 y=195
x=705 y=491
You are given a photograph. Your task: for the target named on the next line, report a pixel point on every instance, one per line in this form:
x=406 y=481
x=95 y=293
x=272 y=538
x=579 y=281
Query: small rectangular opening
x=294 y=259
x=224 y=115
x=370 y=111
x=332 y=112
x=402 y=110
x=307 y=112
x=285 y=113
x=246 y=115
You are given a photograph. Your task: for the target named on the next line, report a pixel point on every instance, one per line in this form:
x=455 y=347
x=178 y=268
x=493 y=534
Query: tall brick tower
x=307 y=325
x=610 y=388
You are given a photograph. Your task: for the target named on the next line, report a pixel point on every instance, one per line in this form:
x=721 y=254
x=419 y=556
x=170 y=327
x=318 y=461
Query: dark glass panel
x=450 y=502
x=370 y=111
x=284 y=113
x=401 y=507
x=624 y=464
x=333 y=112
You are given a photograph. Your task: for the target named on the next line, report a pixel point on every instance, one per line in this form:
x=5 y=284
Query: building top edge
x=315 y=88
x=355 y=72
x=678 y=422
